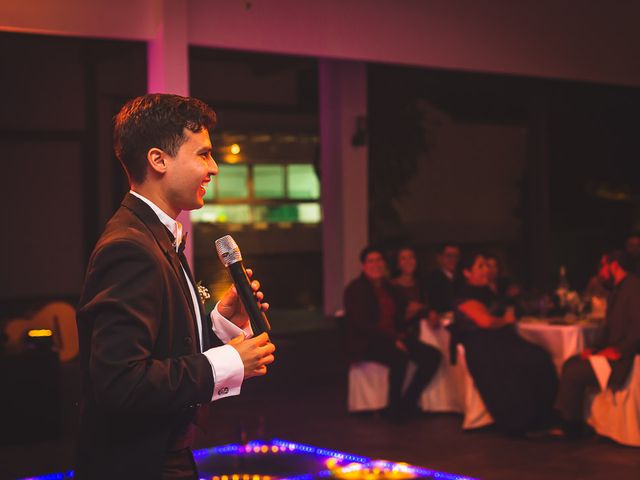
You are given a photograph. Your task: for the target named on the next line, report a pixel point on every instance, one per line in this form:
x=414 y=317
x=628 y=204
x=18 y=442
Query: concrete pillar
x=168 y=69
x=345 y=229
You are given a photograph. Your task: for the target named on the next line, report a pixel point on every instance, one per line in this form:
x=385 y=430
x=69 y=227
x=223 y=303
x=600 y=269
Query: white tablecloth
x=561 y=341
x=446 y=391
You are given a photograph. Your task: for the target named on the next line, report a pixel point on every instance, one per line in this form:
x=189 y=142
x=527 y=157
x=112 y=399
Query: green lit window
x=302 y=182
x=232 y=181
x=309 y=213
x=222 y=214
x=268 y=181
x=211 y=191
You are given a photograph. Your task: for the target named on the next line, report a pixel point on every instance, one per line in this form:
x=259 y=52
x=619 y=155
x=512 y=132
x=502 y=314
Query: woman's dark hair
x=396 y=257
x=467 y=259
x=156 y=120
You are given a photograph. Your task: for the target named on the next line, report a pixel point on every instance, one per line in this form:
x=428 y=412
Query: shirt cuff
x=228 y=371
x=224 y=329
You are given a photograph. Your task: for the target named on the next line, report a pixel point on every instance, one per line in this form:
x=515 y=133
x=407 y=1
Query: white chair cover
x=617 y=414
x=445 y=392
x=368 y=386
x=476 y=414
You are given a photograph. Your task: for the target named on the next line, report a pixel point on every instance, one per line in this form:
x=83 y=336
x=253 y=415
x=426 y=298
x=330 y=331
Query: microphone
x=230 y=256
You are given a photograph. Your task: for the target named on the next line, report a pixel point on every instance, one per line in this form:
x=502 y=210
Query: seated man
x=376 y=315
x=619 y=342
x=440 y=282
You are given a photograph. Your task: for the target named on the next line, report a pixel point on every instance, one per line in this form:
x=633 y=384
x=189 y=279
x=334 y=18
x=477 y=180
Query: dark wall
x=441 y=145
x=60 y=180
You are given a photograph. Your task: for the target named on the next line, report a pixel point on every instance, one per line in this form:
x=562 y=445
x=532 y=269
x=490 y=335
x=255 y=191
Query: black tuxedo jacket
x=622 y=328
x=440 y=291
x=143 y=374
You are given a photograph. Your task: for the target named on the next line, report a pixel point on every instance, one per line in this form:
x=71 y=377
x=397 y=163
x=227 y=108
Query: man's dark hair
x=156 y=120
x=442 y=246
x=623 y=258
x=367 y=250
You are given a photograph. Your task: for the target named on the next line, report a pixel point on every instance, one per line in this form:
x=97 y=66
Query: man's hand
x=434 y=319
x=231 y=307
x=256 y=353
x=586 y=353
x=510 y=315
x=610 y=353
x=413 y=308
x=401 y=346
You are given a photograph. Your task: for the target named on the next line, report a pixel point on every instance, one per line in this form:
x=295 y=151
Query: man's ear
x=157 y=160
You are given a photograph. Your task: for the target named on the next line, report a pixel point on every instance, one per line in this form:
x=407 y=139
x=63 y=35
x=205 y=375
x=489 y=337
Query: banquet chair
x=59 y=317
x=616 y=414
x=368 y=386
x=475 y=411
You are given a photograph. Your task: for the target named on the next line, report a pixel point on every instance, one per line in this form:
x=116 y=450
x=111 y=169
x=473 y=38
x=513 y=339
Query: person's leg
x=577 y=376
x=427 y=360
x=387 y=354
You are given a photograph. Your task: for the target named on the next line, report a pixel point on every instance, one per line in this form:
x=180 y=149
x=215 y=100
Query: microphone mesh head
x=228 y=250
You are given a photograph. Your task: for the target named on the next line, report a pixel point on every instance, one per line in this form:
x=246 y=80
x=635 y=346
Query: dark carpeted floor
x=303 y=399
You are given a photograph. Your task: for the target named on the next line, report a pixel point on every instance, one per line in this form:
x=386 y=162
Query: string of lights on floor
x=284 y=460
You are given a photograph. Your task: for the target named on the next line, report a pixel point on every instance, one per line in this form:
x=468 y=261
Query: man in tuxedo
x=150 y=356
x=618 y=343
x=440 y=282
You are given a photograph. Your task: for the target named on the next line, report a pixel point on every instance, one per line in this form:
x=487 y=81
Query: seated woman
x=411 y=288
x=516 y=379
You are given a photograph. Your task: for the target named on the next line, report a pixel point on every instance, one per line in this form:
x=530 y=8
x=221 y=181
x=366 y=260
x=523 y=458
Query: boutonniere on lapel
x=203 y=293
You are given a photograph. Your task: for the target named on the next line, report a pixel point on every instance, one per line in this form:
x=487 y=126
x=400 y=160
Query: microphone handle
x=257 y=318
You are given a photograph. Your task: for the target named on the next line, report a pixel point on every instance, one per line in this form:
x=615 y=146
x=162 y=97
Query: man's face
x=374 y=267
x=189 y=172
x=604 y=274
x=633 y=246
x=449 y=257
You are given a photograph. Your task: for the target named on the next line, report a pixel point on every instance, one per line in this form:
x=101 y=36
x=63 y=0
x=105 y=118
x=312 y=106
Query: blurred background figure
x=516 y=379
x=412 y=288
x=440 y=282
x=506 y=290
x=632 y=247
x=618 y=344
x=375 y=314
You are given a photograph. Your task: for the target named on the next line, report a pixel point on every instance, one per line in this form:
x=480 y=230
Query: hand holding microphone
x=231 y=258
x=257 y=352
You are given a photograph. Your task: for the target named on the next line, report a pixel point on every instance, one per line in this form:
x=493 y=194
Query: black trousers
x=180 y=465
x=426 y=358
x=577 y=377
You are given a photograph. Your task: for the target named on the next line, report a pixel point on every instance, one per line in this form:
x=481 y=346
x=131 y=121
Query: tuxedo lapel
x=206 y=322
x=161 y=235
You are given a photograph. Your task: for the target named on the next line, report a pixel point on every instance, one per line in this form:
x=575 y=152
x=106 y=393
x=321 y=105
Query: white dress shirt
x=226 y=364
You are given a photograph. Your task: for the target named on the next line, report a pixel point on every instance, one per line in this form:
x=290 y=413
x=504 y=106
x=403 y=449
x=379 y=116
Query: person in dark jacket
x=375 y=315
x=441 y=281
x=618 y=343
x=151 y=359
